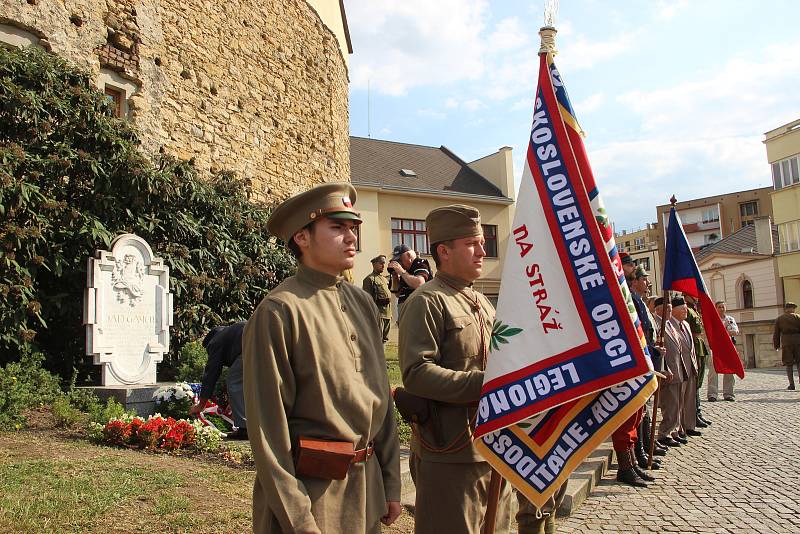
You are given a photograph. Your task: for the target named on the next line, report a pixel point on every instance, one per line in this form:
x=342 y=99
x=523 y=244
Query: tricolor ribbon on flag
x=569 y=361
x=682 y=274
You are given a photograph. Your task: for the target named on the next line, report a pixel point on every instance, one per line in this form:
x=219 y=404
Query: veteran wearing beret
x=445 y=329
x=315 y=379
x=377 y=286
x=688 y=413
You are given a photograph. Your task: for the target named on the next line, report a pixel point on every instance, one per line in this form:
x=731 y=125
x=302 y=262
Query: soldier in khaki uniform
x=786 y=337
x=445 y=329
x=314 y=368
x=377 y=285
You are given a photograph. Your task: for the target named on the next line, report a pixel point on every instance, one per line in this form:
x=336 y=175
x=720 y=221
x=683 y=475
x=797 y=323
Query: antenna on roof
x=369 y=111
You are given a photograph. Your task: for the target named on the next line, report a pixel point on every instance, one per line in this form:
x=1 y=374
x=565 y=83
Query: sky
x=674 y=95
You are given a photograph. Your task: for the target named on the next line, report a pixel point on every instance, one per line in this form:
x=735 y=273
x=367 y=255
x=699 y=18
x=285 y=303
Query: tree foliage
x=72 y=177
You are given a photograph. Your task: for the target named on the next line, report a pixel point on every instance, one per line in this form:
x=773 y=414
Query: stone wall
x=259 y=88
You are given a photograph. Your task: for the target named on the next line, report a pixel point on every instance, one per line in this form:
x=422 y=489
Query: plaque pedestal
x=137 y=398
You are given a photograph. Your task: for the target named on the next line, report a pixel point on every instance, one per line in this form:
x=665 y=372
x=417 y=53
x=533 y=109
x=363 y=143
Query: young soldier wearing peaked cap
x=315 y=381
x=445 y=329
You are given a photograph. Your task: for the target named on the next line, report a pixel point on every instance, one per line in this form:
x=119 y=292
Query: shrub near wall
x=72 y=177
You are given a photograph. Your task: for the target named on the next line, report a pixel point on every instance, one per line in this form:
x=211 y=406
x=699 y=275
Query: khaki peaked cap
x=334 y=200
x=453 y=222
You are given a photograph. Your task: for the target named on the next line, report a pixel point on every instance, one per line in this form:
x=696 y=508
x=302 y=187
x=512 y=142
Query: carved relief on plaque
x=127 y=311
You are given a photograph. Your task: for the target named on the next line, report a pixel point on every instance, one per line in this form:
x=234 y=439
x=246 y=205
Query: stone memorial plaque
x=127 y=311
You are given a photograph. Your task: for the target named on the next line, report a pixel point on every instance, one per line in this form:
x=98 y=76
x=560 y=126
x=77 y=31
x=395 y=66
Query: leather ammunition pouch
x=326 y=459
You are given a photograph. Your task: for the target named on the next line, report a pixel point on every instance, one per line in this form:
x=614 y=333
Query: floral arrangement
x=174 y=400
x=158 y=433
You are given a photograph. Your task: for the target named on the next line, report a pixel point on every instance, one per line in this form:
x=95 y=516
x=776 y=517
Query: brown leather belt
x=362 y=455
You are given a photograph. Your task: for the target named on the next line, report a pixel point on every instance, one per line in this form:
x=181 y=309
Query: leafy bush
x=24 y=384
x=103 y=413
x=193 y=358
x=65 y=414
x=206 y=438
x=71 y=178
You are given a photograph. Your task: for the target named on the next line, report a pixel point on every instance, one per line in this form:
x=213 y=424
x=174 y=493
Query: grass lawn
x=392 y=364
x=51 y=482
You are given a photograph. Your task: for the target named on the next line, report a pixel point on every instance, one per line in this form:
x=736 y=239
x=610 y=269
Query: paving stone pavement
x=741 y=476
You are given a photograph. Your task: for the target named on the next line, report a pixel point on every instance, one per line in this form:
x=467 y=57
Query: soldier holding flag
x=445 y=329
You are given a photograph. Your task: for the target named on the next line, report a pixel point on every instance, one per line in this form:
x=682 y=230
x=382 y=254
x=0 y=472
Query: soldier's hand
x=670 y=376
x=196 y=409
x=393 y=511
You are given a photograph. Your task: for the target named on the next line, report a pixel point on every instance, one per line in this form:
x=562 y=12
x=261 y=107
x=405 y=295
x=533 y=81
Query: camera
x=391 y=270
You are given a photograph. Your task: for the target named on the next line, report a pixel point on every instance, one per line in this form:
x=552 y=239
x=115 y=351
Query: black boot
x=641 y=456
x=644 y=475
x=625 y=472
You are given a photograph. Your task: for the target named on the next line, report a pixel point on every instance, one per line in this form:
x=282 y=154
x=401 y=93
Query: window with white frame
x=711 y=214
x=786 y=172
x=789 y=236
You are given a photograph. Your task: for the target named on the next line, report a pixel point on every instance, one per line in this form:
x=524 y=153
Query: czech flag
x=681 y=274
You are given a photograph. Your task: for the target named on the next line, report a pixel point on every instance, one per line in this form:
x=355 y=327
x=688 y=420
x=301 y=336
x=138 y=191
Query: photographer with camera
x=408 y=272
x=377 y=285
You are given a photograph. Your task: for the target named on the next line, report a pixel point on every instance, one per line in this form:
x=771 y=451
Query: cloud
x=667 y=9
x=451 y=103
x=742 y=97
x=580 y=52
x=401 y=45
x=508 y=35
x=431 y=114
x=473 y=104
x=700 y=137
x=589 y=104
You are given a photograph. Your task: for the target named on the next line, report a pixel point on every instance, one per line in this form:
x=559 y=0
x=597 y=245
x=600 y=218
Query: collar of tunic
x=316 y=278
x=454 y=281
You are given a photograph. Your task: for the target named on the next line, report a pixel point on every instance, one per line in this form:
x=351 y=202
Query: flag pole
x=547 y=33
x=660 y=340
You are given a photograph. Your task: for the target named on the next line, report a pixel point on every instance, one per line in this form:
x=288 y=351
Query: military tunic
x=442 y=347
x=314 y=367
x=786 y=337
x=377 y=286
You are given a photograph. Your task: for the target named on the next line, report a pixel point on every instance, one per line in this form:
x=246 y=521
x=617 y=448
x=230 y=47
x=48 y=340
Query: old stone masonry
x=742 y=475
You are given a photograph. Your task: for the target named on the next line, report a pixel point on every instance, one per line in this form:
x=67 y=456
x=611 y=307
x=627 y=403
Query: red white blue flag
x=569 y=361
x=681 y=274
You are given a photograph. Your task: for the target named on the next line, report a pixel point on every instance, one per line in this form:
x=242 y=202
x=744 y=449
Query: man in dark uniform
x=408 y=272
x=639 y=288
x=787 y=338
x=224 y=347
x=377 y=285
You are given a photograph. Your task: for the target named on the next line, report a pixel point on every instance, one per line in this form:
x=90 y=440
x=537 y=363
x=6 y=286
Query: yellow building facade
x=398 y=184
x=783 y=155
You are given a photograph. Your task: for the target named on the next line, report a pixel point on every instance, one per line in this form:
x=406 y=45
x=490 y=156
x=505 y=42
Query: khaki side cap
x=333 y=199
x=453 y=222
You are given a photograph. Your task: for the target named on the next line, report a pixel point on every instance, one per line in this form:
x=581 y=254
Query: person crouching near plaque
x=319 y=410
x=445 y=329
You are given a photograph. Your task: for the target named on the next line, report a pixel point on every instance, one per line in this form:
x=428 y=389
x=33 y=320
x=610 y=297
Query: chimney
x=498 y=168
x=764 y=236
